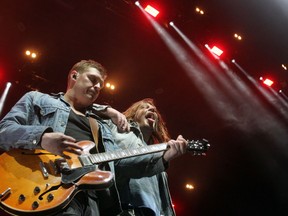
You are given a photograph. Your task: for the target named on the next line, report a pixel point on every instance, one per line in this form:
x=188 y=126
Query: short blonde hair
x=81 y=66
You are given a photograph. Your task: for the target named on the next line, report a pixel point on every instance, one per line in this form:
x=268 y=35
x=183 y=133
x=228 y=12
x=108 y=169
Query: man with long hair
x=147 y=196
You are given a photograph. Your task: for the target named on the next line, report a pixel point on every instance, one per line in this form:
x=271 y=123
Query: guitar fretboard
x=197 y=147
x=126 y=153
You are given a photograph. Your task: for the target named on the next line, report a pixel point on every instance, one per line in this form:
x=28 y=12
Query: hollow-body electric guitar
x=35 y=181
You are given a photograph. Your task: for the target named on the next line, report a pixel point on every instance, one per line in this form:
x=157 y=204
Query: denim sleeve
x=134 y=167
x=98 y=109
x=140 y=166
x=16 y=128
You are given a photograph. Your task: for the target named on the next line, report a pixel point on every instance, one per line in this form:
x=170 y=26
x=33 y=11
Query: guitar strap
x=95 y=131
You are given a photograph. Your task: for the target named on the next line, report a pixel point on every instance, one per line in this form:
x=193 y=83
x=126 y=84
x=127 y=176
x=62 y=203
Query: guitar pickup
x=85 y=161
x=43 y=170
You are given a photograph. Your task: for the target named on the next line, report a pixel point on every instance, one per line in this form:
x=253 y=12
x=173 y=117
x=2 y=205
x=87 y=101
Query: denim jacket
x=34 y=114
x=150 y=192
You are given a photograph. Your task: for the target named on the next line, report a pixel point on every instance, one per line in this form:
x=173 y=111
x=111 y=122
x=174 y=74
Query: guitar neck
x=120 y=154
x=196 y=146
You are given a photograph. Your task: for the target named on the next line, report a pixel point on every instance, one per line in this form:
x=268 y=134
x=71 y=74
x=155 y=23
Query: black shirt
x=78 y=127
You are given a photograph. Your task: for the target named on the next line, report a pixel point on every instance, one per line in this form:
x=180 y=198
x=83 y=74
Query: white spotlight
x=4 y=96
x=137 y=3
x=171 y=23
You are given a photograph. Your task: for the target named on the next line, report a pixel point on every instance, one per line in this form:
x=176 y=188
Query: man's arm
x=151 y=164
x=16 y=130
x=116 y=117
x=141 y=166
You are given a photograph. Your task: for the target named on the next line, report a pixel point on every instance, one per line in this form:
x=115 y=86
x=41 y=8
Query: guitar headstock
x=198 y=147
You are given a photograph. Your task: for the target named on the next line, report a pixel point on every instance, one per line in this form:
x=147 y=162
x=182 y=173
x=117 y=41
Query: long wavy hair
x=160 y=133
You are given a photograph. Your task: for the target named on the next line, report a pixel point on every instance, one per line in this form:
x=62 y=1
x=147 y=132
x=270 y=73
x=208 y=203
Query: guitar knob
x=36 y=190
x=35 y=205
x=21 y=198
x=50 y=197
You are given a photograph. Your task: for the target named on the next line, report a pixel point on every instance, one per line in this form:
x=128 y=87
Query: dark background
x=245 y=171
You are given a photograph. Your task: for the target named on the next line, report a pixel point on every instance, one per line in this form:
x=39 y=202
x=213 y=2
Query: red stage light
x=152 y=11
x=217 y=51
x=268 y=82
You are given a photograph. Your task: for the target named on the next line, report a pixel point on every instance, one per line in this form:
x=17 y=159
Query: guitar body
x=32 y=180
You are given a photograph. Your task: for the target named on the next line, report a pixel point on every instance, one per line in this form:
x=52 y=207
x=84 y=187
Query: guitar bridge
x=62 y=165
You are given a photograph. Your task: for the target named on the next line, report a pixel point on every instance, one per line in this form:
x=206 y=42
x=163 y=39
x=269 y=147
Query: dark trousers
x=81 y=205
x=138 y=212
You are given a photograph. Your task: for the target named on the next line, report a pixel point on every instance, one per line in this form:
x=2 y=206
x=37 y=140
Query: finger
x=178 y=147
x=120 y=129
x=183 y=147
x=180 y=137
x=124 y=122
x=170 y=142
x=69 y=138
x=65 y=156
x=172 y=146
x=71 y=145
x=128 y=128
x=74 y=151
x=124 y=126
